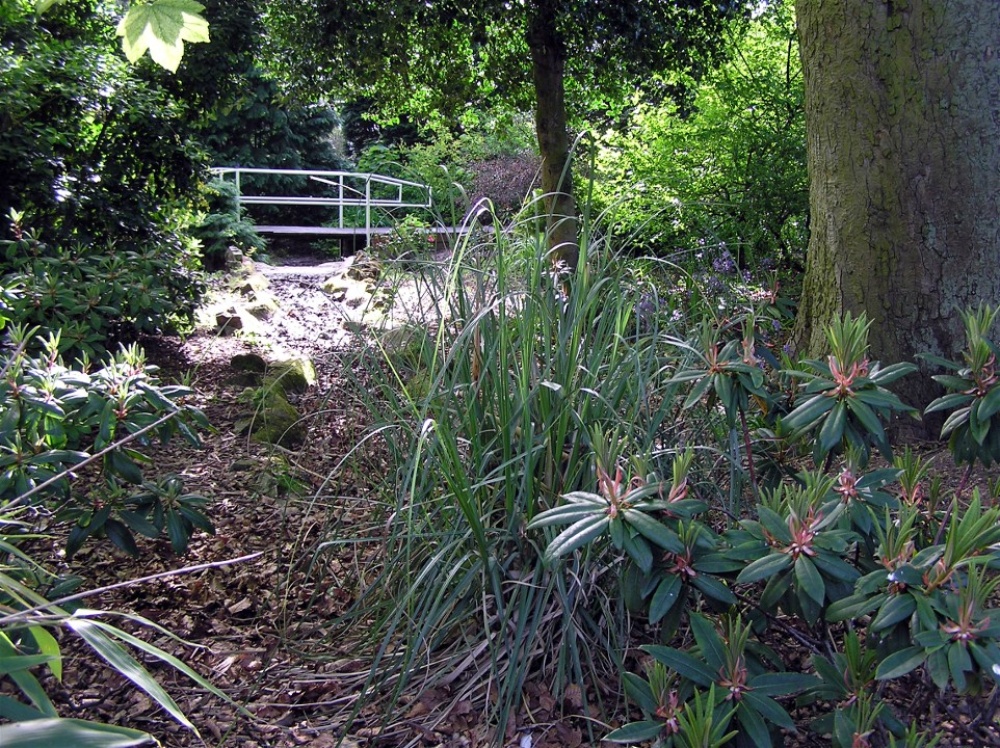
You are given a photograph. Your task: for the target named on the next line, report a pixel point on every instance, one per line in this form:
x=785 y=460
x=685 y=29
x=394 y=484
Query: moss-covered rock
x=294 y=375
x=273 y=420
x=262 y=305
x=252 y=363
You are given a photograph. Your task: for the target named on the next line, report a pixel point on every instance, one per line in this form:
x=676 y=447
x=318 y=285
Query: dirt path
x=259 y=625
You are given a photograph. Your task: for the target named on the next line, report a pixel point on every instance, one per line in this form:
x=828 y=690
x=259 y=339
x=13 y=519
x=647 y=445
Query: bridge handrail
x=326 y=176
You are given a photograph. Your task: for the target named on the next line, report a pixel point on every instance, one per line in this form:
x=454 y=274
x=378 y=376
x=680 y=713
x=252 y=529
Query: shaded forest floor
x=266 y=629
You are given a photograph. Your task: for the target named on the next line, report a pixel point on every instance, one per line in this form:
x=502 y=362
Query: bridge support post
x=368 y=212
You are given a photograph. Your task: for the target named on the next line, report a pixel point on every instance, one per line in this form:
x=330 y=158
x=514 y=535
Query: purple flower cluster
x=724 y=264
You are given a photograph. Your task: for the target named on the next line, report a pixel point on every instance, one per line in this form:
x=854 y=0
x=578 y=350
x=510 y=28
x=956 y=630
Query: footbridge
x=353 y=195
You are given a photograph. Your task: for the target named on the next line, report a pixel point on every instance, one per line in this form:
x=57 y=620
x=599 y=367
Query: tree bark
x=548 y=67
x=902 y=103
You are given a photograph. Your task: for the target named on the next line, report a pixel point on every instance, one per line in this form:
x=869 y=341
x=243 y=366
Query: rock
x=342 y=288
x=233 y=320
x=248 y=362
x=294 y=375
x=365 y=269
x=234 y=257
x=228 y=322
x=264 y=305
x=273 y=421
x=253 y=284
x=249 y=369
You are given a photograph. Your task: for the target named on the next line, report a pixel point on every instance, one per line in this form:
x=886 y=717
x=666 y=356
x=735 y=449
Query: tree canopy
x=537 y=54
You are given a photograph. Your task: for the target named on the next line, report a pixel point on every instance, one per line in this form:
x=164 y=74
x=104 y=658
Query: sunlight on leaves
x=162 y=27
x=42 y=6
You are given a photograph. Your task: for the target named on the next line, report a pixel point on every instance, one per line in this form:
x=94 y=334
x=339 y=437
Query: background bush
x=727 y=168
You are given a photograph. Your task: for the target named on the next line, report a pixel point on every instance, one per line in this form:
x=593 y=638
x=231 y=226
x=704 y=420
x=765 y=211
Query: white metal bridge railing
x=349 y=190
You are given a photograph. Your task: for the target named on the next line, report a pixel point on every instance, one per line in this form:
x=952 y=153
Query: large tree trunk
x=548 y=65
x=903 y=118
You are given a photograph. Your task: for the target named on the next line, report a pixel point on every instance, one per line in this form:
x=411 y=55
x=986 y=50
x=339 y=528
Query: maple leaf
x=41 y=6
x=162 y=27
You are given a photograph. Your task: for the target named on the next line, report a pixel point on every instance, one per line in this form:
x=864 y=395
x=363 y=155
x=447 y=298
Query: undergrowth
x=601 y=485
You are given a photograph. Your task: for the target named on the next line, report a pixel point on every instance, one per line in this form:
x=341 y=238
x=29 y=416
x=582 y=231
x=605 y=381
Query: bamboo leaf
x=832 y=432
x=714 y=588
x=48 y=645
x=896 y=609
x=667 y=592
x=809 y=579
x=808 y=413
x=566 y=514
x=782 y=684
x=682 y=663
x=124 y=663
x=991 y=404
x=654 y=531
x=712 y=647
x=158 y=653
x=56 y=731
x=950 y=401
x=769 y=709
x=635 y=732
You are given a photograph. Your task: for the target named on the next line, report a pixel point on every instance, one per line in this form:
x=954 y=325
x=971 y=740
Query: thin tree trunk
x=902 y=107
x=548 y=65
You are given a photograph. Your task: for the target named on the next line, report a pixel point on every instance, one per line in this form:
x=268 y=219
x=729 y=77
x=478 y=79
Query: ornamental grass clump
x=485 y=428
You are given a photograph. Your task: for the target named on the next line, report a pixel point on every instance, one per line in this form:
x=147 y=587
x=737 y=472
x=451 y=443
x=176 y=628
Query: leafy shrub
x=93 y=296
x=94 y=154
x=521 y=365
x=489 y=159
x=33 y=602
x=820 y=548
x=53 y=418
x=972 y=426
x=92 y=148
x=506 y=180
x=737 y=678
x=727 y=168
x=225 y=225
x=846 y=401
x=411 y=239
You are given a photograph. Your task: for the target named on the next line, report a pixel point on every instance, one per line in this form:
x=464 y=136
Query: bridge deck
x=348 y=230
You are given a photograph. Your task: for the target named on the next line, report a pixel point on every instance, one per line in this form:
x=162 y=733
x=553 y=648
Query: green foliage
x=930 y=608
x=159 y=26
x=53 y=418
x=490 y=158
x=845 y=400
x=973 y=399
x=496 y=418
x=848 y=680
x=93 y=148
x=425 y=59
x=740 y=689
x=90 y=296
x=48 y=416
x=225 y=225
x=727 y=165
x=796 y=545
x=821 y=549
